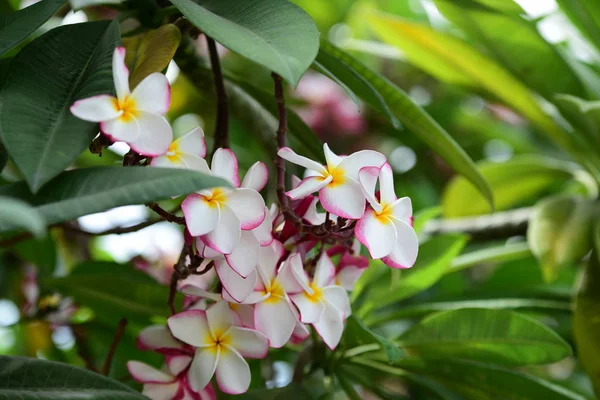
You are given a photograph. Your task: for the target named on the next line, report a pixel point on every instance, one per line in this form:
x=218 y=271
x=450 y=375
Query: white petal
x=249 y=342
x=292 y=276
x=178 y=363
x=310 y=310
x=155 y=134
x=224 y=164
x=237 y=287
x=159 y=391
x=146 y=374
x=244 y=257
x=378 y=234
x=269 y=257
x=345 y=200
x=193 y=143
x=245 y=312
x=295 y=181
x=311 y=215
x=190 y=327
x=121 y=129
x=220 y=318
x=308 y=186
x=324 y=272
x=367 y=177
x=338 y=297
x=195 y=163
x=226 y=234
x=159 y=338
x=203 y=368
x=264 y=232
x=275 y=318
x=332 y=159
x=96 y=108
x=348 y=275
x=205 y=251
x=330 y=326
x=200 y=216
x=153 y=94
x=386 y=184
x=300 y=334
x=233 y=372
x=290 y=155
x=402 y=210
x=364 y=158
x=249 y=206
x=257 y=176
x=120 y=73
x=406 y=248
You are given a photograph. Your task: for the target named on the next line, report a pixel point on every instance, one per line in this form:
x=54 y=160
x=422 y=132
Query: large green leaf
x=356 y=333
x=91 y=190
x=393 y=102
x=274 y=33
x=585 y=14
x=33 y=379
x=583 y=115
x=496 y=336
x=516 y=44
x=17 y=26
x=17 y=214
x=514 y=183
x=64 y=65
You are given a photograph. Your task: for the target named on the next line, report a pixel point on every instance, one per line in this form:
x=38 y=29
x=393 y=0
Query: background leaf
x=16 y=214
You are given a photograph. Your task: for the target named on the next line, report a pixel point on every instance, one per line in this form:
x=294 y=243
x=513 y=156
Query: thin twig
x=222 y=122
x=119 y=230
x=113 y=347
x=167 y=216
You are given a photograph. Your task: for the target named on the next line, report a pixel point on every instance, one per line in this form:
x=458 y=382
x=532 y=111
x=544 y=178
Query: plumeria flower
x=219 y=215
x=158 y=338
x=136 y=118
x=351 y=265
x=187 y=152
x=321 y=303
x=221 y=347
x=336 y=182
x=385 y=228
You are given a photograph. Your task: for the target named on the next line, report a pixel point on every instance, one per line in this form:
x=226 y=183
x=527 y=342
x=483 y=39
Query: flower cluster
x=277 y=270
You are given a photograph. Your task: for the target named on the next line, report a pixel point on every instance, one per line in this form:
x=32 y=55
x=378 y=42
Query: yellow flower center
x=172 y=152
x=216 y=197
x=385 y=215
x=276 y=292
x=127 y=105
x=317 y=293
x=337 y=174
x=217 y=341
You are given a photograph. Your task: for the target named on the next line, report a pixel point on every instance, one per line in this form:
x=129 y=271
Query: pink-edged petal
x=295 y=181
x=158 y=338
x=193 y=143
x=224 y=164
x=233 y=372
x=275 y=318
x=201 y=217
x=220 y=318
x=402 y=210
x=144 y=373
x=169 y=391
x=121 y=129
x=155 y=134
x=249 y=342
x=291 y=275
x=256 y=297
x=249 y=206
x=324 y=272
x=386 y=184
x=406 y=248
x=235 y=285
x=194 y=163
x=300 y=334
x=244 y=257
x=338 y=297
x=245 y=313
x=348 y=276
x=120 y=73
x=190 y=327
x=208 y=393
x=378 y=234
x=330 y=326
x=367 y=177
x=364 y=158
x=205 y=251
x=290 y=155
x=96 y=108
x=311 y=215
x=168 y=162
x=308 y=186
x=153 y=94
x=178 y=363
x=332 y=159
x=195 y=291
x=257 y=176
x=345 y=200
x=269 y=257
x=264 y=232
x=203 y=368
x=310 y=310
x=226 y=234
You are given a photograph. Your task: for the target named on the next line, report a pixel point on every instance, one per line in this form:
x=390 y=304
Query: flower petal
x=364 y=158
x=190 y=327
x=233 y=372
x=331 y=158
x=310 y=310
x=193 y=143
x=367 y=177
x=220 y=318
x=249 y=342
x=330 y=326
x=203 y=368
x=291 y=275
x=324 y=272
x=348 y=276
x=194 y=163
x=402 y=210
x=120 y=73
x=226 y=235
x=158 y=338
x=300 y=334
x=178 y=363
x=224 y=164
x=386 y=184
x=308 y=186
x=338 y=297
x=155 y=135
x=378 y=234
x=268 y=259
x=235 y=285
x=96 y=108
x=146 y=374
x=290 y=155
x=244 y=257
x=311 y=215
x=163 y=391
x=249 y=206
x=200 y=216
x=345 y=200
x=121 y=129
x=245 y=313
x=275 y=318
x=264 y=232
x=257 y=176
x=406 y=248
x=153 y=94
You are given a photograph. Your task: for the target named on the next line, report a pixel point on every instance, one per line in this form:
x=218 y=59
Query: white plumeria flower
x=221 y=347
x=321 y=303
x=158 y=338
x=337 y=182
x=385 y=228
x=220 y=214
x=135 y=118
x=187 y=152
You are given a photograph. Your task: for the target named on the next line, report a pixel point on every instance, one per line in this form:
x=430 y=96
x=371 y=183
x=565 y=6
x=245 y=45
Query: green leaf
x=3 y=157
x=356 y=333
x=150 y=52
x=585 y=14
x=34 y=379
x=293 y=391
x=274 y=33
x=91 y=190
x=508 y=7
x=17 y=26
x=64 y=65
x=495 y=254
x=39 y=252
x=393 y=102
x=583 y=115
x=133 y=295
x=16 y=214
x=495 y=336
x=515 y=182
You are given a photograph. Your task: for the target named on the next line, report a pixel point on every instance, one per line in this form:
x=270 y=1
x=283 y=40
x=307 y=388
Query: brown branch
x=113 y=347
x=119 y=230
x=167 y=216
x=221 y=135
